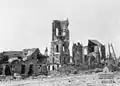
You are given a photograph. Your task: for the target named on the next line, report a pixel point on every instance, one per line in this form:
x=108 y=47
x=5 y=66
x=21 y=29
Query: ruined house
x=77 y=53
x=96 y=52
x=7 y=59
x=33 y=62
x=59 y=53
x=29 y=62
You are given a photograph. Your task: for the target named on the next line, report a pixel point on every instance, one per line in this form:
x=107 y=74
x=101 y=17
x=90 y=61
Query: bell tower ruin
x=59 y=52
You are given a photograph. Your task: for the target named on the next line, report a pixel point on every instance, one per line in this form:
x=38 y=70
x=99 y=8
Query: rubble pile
x=113 y=68
x=67 y=70
x=54 y=74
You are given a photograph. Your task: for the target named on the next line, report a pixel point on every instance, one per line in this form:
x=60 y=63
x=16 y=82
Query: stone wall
x=77 y=53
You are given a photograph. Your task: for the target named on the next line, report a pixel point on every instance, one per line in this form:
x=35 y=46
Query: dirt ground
x=73 y=80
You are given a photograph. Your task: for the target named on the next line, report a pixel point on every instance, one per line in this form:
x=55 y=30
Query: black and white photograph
x=59 y=42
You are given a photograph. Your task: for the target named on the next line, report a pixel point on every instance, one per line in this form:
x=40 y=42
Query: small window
x=57 y=48
x=53 y=60
x=53 y=67
x=63 y=48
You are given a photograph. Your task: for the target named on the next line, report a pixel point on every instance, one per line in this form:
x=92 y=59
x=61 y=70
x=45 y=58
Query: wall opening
x=7 y=71
x=64 y=33
x=57 y=65
x=53 y=67
x=57 y=48
x=63 y=49
x=22 y=69
x=57 y=32
x=53 y=60
x=1 y=69
x=48 y=67
x=30 y=72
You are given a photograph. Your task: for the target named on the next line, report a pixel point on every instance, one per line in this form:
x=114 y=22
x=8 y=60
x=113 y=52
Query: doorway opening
x=7 y=71
x=22 y=69
x=30 y=72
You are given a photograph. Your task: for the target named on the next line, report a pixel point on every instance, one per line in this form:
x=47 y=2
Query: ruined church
x=59 y=52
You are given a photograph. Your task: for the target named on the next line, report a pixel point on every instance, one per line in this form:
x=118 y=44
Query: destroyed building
x=77 y=53
x=112 y=62
x=93 y=53
x=7 y=59
x=59 y=53
x=29 y=62
x=96 y=52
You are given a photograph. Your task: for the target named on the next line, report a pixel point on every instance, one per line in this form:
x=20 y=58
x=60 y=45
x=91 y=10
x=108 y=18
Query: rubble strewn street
x=72 y=80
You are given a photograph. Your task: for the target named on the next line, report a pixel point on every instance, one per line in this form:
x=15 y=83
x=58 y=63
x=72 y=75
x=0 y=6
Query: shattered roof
x=30 y=51
x=95 y=42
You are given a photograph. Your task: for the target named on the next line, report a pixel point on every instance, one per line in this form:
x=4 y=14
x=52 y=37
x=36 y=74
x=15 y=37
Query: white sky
x=28 y=23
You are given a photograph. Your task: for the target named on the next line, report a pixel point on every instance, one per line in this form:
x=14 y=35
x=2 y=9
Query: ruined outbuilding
x=77 y=53
x=96 y=52
x=59 y=53
x=29 y=62
x=7 y=61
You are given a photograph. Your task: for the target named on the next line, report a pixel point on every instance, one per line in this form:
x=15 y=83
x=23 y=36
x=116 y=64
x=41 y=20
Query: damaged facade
x=59 y=53
x=97 y=50
x=93 y=53
x=29 y=62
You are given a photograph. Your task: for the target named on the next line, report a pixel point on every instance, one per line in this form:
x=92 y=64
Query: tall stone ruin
x=59 y=53
x=77 y=54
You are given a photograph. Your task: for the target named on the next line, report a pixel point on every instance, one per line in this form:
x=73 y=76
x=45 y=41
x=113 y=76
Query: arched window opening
x=57 y=32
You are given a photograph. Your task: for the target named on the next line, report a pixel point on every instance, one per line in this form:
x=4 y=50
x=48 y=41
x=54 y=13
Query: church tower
x=59 y=52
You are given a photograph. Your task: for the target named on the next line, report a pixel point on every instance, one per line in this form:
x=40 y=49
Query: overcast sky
x=28 y=23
